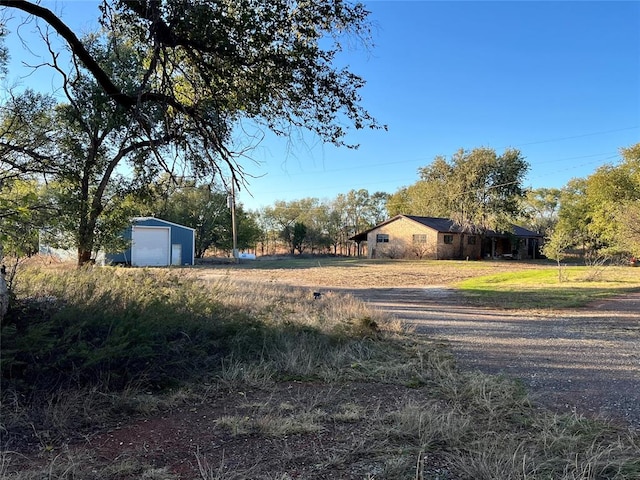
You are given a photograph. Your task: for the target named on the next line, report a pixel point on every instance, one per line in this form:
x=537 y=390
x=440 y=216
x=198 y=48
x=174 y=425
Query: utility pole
x=232 y=206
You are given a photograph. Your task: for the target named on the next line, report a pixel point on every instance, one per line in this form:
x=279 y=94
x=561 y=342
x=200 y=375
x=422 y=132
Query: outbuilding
x=156 y=243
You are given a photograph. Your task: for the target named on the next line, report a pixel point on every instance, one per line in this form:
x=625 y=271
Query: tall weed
x=158 y=328
x=95 y=327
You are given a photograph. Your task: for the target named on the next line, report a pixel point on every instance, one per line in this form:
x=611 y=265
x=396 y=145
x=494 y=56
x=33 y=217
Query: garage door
x=150 y=246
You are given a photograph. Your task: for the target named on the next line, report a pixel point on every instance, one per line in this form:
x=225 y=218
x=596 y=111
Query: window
x=472 y=240
x=382 y=238
x=448 y=239
x=419 y=239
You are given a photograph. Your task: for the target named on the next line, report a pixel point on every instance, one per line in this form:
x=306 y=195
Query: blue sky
x=558 y=80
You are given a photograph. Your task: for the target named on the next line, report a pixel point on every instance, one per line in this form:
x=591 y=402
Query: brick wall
x=401 y=245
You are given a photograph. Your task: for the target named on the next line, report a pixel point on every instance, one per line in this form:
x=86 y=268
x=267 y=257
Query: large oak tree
x=197 y=68
x=478 y=189
x=77 y=147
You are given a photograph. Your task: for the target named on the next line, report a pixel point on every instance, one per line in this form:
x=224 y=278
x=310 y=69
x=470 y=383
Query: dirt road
x=586 y=359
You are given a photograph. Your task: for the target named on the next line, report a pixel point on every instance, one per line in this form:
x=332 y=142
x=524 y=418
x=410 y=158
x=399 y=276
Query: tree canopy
x=208 y=63
x=540 y=209
x=478 y=189
x=600 y=213
x=4 y=53
x=77 y=146
x=173 y=77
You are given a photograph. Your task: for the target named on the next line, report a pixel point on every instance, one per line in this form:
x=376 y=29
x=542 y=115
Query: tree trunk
x=4 y=290
x=84 y=257
x=86 y=238
x=4 y=296
x=85 y=242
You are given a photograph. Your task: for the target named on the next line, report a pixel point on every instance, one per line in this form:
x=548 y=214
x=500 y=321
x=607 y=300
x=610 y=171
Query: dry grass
x=355 y=273
x=329 y=388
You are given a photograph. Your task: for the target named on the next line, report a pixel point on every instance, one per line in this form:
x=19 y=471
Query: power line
x=368 y=185
x=576 y=158
x=578 y=136
x=574 y=167
x=397 y=181
x=418 y=159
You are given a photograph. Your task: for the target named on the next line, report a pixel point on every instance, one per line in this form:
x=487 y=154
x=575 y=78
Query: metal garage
x=151 y=246
x=156 y=243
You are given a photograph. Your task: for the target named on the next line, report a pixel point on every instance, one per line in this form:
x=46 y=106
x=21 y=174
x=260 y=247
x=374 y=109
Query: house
x=155 y=243
x=409 y=236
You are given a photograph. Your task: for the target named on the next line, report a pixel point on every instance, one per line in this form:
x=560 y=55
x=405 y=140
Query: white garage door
x=150 y=246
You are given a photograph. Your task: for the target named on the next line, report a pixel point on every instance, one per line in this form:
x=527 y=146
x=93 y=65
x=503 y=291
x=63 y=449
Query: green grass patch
x=567 y=287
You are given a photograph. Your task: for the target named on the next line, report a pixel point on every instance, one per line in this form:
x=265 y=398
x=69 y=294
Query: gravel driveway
x=587 y=360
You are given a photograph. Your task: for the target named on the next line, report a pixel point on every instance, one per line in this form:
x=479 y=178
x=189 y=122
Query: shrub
x=89 y=327
x=156 y=328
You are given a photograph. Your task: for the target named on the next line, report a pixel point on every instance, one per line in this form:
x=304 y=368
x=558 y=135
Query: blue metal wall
x=179 y=234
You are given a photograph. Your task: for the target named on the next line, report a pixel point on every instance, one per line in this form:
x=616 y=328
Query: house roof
x=439 y=224
x=519 y=231
x=443 y=225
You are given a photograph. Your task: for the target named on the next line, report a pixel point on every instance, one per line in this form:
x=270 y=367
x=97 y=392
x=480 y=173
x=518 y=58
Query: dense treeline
x=596 y=216
x=599 y=215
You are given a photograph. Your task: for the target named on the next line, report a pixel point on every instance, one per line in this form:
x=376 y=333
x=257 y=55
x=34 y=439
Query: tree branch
x=8 y=147
x=164 y=35
x=76 y=46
